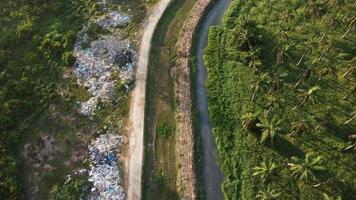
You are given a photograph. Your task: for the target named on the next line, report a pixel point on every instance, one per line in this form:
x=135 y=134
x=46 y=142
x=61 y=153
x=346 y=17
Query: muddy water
x=212 y=174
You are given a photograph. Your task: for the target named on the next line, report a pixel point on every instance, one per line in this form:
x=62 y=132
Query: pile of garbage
x=95 y=64
x=104 y=173
x=113 y=20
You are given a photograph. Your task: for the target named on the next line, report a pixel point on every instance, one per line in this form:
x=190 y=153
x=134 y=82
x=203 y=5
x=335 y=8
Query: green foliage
x=269 y=194
x=270 y=130
x=34 y=38
x=68 y=58
x=305 y=169
x=265 y=170
x=160 y=179
x=249 y=121
x=327 y=197
x=73 y=189
x=165 y=129
x=290 y=61
x=36 y=43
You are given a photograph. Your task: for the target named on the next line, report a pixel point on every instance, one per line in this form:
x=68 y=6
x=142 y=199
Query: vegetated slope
x=36 y=43
x=281 y=83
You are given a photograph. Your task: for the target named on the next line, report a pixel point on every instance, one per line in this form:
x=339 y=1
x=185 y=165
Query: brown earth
x=187 y=177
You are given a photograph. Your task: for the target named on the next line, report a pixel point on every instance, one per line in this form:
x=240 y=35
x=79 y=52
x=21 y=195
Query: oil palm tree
x=282 y=54
x=276 y=80
x=270 y=130
x=259 y=84
x=269 y=194
x=264 y=170
x=349 y=12
x=351 y=26
x=305 y=168
x=273 y=102
x=350 y=92
x=307 y=96
x=301 y=126
x=309 y=71
x=353 y=117
x=249 y=120
x=349 y=71
x=327 y=197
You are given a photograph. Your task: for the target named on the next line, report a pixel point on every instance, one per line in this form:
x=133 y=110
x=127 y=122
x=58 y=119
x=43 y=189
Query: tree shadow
x=285 y=148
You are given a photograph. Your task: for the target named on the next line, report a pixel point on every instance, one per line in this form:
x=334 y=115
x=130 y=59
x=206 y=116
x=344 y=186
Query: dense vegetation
x=281 y=84
x=36 y=39
x=36 y=43
x=73 y=189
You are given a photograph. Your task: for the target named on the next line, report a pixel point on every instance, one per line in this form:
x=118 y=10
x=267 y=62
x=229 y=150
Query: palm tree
x=270 y=130
x=269 y=194
x=350 y=92
x=327 y=197
x=353 y=114
x=273 y=102
x=276 y=79
x=260 y=83
x=351 y=26
x=249 y=120
x=264 y=170
x=305 y=169
x=299 y=127
x=308 y=96
x=348 y=13
x=351 y=69
x=323 y=53
x=309 y=46
x=282 y=54
x=309 y=71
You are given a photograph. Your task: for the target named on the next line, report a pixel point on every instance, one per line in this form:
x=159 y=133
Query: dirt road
x=137 y=107
x=211 y=172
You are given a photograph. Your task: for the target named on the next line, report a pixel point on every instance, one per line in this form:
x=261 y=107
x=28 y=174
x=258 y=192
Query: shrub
x=165 y=129
x=68 y=58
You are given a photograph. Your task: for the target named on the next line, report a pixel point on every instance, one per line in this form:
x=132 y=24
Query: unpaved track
x=211 y=172
x=137 y=108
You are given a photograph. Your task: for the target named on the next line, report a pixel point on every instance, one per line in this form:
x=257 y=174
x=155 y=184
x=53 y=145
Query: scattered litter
x=96 y=63
x=88 y=107
x=113 y=20
x=104 y=173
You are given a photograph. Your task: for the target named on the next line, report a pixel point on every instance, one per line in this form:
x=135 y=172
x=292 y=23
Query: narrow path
x=212 y=175
x=137 y=107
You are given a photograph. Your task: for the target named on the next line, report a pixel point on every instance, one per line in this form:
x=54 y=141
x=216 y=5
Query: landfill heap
x=104 y=173
x=104 y=56
x=113 y=20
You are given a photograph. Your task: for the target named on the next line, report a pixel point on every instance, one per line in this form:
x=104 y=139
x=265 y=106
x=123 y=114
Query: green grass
x=271 y=37
x=160 y=168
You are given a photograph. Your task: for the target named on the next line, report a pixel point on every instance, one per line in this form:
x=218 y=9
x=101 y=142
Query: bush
x=72 y=189
x=165 y=129
x=68 y=58
x=52 y=45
